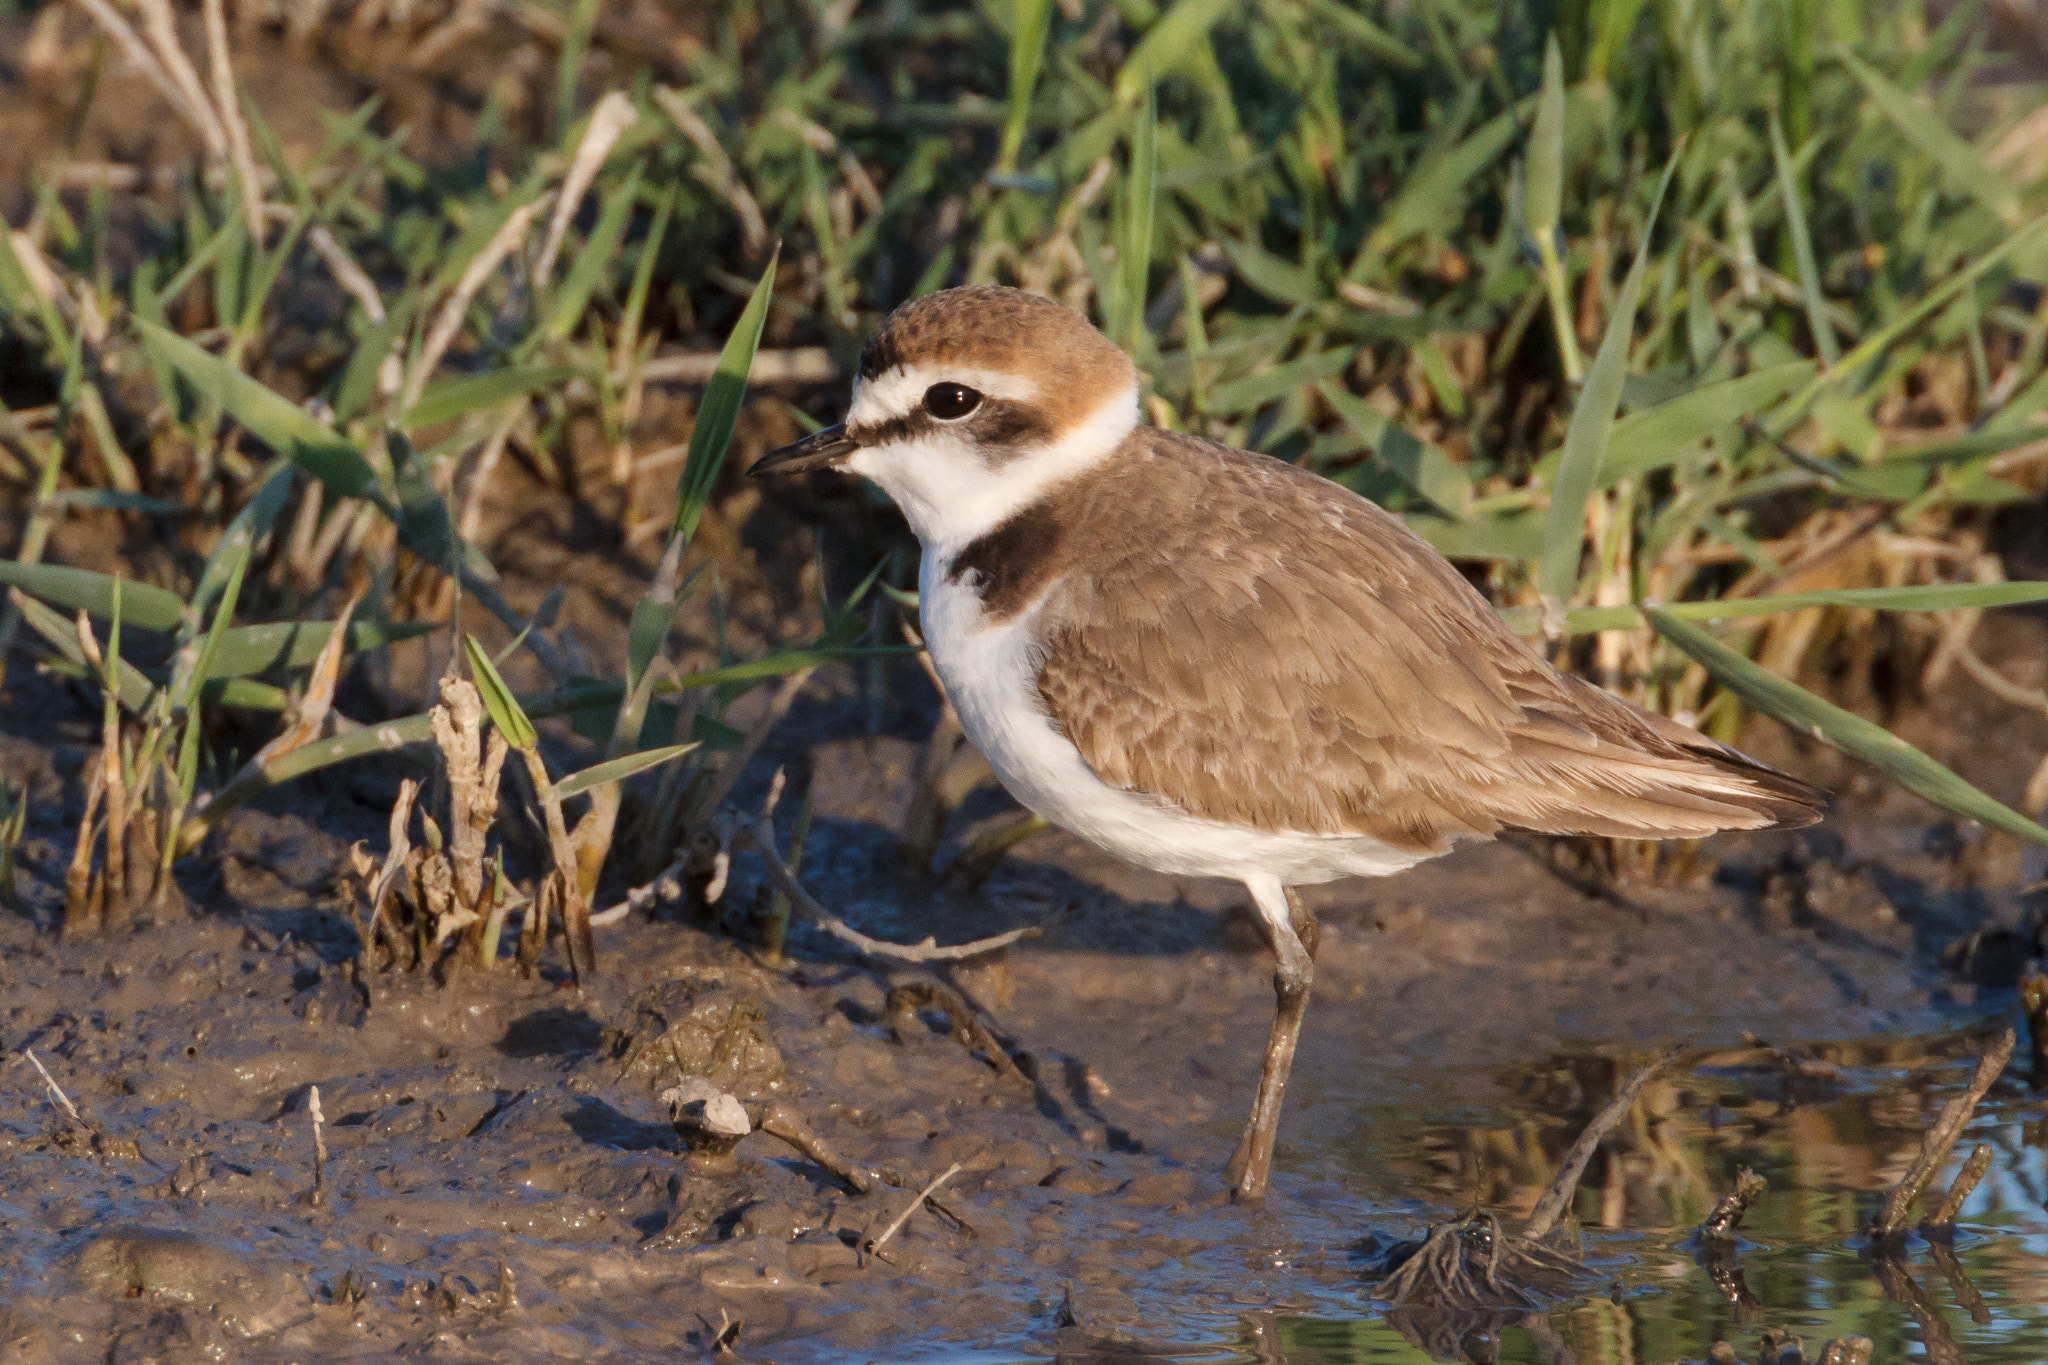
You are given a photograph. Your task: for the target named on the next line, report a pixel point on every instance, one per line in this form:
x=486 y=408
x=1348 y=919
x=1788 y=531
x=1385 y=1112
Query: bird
x=1214 y=663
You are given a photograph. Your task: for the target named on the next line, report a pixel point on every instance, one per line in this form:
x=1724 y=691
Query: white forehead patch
x=898 y=391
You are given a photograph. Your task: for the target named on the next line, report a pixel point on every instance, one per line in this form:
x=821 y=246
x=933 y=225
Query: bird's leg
x=1292 y=928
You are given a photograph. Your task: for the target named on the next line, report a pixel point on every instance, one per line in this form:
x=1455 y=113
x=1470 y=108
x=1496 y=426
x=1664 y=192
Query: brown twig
x=1936 y=1144
x=1942 y=1221
x=319 y=1145
x=63 y=1100
x=967 y=1029
x=1722 y=1223
x=928 y=951
x=875 y=1247
x=1559 y=1196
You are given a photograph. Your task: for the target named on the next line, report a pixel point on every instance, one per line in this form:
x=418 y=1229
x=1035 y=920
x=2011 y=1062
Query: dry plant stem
x=575 y=905
x=319 y=1145
x=80 y=914
x=228 y=103
x=350 y=276
x=1558 y=1197
x=394 y=867
x=1722 y=1223
x=643 y=897
x=728 y=774
x=875 y=1247
x=754 y=832
x=473 y=765
x=780 y=1121
x=714 y=168
x=905 y=1000
x=173 y=79
x=63 y=1100
x=1943 y=1219
x=486 y=467
x=613 y=115
x=449 y=320
x=1939 y=1139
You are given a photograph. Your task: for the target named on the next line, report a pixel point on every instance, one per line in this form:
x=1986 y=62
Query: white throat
x=948 y=492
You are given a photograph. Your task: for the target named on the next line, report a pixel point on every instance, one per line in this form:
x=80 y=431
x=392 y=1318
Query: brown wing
x=1294 y=658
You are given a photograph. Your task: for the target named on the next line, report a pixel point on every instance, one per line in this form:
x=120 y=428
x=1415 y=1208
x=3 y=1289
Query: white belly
x=991 y=677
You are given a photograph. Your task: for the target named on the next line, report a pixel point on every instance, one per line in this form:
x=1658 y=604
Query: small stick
x=1559 y=1196
x=319 y=1146
x=1727 y=1215
x=57 y=1090
x=1944 y=1216
x=927 y=951
x=875 y=1247
x=1936 y=1144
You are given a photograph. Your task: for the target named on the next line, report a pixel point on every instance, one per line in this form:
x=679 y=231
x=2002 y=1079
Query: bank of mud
x=503 y=1180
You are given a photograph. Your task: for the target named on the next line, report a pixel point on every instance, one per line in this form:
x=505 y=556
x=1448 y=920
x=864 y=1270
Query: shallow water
x=1830 y=1146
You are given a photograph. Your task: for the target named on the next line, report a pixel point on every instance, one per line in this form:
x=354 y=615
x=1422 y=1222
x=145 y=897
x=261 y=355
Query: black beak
x=820 y=450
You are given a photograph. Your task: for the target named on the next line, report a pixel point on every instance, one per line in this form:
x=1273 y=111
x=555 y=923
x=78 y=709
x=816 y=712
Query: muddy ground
x=503 y=1182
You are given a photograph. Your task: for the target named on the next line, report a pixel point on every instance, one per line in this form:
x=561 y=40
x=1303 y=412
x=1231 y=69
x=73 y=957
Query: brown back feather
x=1292 y=657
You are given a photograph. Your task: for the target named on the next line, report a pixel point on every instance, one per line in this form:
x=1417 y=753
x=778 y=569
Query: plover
x=1213 y=663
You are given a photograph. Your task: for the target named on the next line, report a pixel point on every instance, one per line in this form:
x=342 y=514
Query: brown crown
x=990 y=327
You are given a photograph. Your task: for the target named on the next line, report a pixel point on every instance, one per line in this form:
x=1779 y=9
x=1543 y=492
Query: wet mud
x=502 y=1177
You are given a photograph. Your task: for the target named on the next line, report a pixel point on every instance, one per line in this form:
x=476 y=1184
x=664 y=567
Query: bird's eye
x=950 y=402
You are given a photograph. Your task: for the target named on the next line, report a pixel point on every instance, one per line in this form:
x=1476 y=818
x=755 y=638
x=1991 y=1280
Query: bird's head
x=969 y=402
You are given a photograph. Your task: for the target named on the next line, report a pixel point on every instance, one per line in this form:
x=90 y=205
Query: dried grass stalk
x=228 y=102
x=449 y=320
x=609 y=121
x=1939 y=1139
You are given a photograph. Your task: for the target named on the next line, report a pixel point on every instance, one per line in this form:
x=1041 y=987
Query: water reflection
x=1831 y=1126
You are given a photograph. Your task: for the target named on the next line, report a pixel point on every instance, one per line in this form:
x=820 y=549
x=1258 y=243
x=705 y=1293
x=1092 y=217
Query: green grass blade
x=1436 y=194
x=149 y=607
x=1930 y=303
x=244 y=650
x=59 y=634
x=250 y=525
x=1420 y=465
x=1801 y=710
x=712 y=436
x=1030 y=21
x=1962 y=164
x=1585 y=442
x=504 y=708
x=1654 y=437
x=1923 y=597
x=1165 y=43
x=1134 y=254
x=618 y=769
x=1802 y=251
x=273 y=419
x=447 y=399
x=587 y=271
x=1364 y=33
x=1543 y=189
